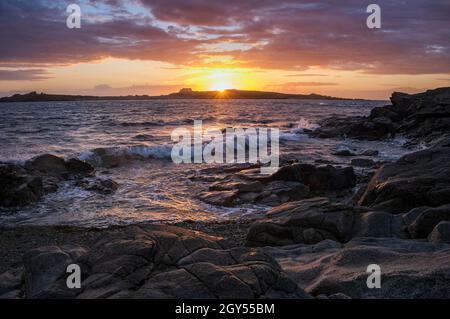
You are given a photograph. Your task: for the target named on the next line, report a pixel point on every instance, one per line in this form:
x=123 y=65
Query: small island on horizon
x=185 y=93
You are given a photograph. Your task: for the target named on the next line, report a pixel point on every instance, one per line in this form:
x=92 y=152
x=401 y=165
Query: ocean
x=137 y=134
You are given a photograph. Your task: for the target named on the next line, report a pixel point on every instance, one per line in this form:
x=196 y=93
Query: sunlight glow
x=221 y=86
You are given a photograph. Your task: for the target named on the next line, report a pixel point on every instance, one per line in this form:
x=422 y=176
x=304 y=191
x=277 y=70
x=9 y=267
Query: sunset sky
x=159 y=46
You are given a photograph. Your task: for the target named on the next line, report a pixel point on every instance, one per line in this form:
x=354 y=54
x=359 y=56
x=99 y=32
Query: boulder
x=25 y=184
x=307 y=221
x=416 y=179
x=316 y=219
x=54 y=166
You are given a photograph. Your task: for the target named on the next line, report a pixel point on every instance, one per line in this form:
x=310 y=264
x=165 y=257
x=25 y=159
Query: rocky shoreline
x=326 y=225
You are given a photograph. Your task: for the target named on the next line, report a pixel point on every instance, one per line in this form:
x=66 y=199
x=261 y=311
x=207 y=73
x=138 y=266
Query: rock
x=271 y=200
x=157 y=261
x=255 y=186
x=23 y=185
x=344 y=153
x=307 y=221
x=416 y=179
x=422 y=226
x=362 y=162
x=249 y=197
x=10 y=281
x=56 y=167
x=317 y=178
x=43 y=267
x=440 y=233
x=357 y=127
x=18 y=186
x=316 y=219
x=80 y=168
x=47 y=164
x=101 y=186
x=424 y=115
x=409 y=269
x=220 y=198
x=224 y=186
x=293 y=190
x=379 y=224
x=369 y=153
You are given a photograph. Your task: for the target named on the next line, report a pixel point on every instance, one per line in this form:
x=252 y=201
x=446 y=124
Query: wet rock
x=101 y=186
x=416 y=179
x=410 y=269
x=362 y=162
x=18 y=186
x=80 y=168
x=440 y=233
x=48 y=164
x=422 y=226
x=219 y=198
x=23 y=185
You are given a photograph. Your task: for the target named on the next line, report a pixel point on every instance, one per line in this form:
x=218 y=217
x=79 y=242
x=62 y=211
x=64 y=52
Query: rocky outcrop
x=313 y=220
x=425 y=115
x=154 y=262
x=25 y=184
x=409 y=269
x=290 y=183
x=416 y=179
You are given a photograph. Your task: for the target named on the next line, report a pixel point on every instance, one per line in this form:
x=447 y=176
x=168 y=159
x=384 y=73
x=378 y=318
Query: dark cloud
x=24 y=75
x=284 y=34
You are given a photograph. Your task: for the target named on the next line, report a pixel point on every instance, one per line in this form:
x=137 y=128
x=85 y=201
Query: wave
x=115 y=156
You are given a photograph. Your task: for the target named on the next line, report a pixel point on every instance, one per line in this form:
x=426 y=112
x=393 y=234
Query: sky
x=160 y=46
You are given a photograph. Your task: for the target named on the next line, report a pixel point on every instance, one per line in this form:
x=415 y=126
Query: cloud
x=306 y=75
x=284 y=34
x=24 y=75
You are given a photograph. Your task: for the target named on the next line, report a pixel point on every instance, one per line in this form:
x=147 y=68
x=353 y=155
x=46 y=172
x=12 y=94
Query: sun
x=221 y=86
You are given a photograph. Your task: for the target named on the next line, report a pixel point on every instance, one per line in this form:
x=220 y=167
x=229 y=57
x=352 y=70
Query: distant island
x=185 y=93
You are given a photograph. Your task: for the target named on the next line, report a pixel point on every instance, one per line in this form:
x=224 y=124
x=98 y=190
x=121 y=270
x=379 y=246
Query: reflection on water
x=154 y=188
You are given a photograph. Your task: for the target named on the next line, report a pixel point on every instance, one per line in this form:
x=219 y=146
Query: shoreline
x=316 y=240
